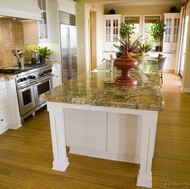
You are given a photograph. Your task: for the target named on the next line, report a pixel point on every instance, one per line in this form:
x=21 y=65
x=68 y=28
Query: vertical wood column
x=57 y=125
x=149 y=125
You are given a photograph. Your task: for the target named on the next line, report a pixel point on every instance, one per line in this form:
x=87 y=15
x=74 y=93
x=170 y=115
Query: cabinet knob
x=1 y=119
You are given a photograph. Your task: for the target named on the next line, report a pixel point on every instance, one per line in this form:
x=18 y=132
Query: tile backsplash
x=12 y=37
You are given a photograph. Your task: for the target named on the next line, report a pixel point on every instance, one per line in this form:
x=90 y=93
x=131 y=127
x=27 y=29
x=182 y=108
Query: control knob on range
x=22 y=79
x=31 y=77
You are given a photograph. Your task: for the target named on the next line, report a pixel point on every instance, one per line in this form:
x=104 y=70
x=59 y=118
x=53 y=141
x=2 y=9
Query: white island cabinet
x=100 y=119
x=9 y=111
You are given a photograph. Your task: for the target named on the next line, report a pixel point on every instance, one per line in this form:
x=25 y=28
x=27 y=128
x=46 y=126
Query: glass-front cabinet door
x=43 y=30
x=111 y=31
x=172 y=22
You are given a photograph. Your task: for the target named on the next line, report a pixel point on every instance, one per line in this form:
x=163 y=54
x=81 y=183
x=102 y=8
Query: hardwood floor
x=26 y=153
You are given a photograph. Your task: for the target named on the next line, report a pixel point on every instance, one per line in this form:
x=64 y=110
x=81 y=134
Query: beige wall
x=140 y=10
x=83 y=38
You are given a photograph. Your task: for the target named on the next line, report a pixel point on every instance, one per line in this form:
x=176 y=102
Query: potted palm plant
x=157 y=32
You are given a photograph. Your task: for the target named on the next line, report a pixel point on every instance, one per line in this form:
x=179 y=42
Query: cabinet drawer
x=4 y=120
x=56 y=70
x=170 y=47
x=3 y=98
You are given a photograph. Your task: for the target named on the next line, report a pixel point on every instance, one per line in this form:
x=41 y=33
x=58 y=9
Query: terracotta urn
x=125 y=63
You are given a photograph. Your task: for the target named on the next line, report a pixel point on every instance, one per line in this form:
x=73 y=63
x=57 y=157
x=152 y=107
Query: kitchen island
x=97 y=118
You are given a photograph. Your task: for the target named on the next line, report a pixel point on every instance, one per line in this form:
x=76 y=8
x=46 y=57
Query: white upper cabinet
x=68 y=6
x=111 y=31
x=39 y=28
x=43 y=28
x=27 y=9
x=172 y=21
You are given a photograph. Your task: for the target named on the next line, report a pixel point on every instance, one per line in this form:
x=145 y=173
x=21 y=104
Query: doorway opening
x=93 y=52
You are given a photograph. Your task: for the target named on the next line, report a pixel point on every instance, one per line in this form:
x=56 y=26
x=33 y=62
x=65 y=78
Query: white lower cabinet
x=9 y=111
x=124 y=136
x=4 y=120
x=56 y=71
x=85 y=131
x=102 y=134
x=4 y=108
x=169 y=65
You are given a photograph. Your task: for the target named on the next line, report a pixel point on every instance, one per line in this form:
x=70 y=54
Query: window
x=142 y=25
x=136 y=20
x=148 y=20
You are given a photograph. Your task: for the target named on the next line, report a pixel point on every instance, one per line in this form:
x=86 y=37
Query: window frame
x=140 y=21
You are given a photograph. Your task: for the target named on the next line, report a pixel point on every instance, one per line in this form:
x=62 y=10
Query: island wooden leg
x=60 y=161
x=149 y=125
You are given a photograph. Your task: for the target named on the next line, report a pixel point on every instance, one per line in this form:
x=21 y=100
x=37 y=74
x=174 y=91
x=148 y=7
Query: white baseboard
x=187 y=90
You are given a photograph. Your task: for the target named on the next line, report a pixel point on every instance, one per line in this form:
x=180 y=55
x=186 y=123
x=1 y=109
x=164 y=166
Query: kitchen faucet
x=109 y=63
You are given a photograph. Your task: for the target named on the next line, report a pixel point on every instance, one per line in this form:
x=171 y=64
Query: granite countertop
x=6 y=76
x=97 y=88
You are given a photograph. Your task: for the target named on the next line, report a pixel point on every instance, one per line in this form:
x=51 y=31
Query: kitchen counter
x=4 y=77
x=97 y=118
x=98 y=89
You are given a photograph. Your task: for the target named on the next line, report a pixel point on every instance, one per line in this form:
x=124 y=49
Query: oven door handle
x=44 y=78
x=26 y=86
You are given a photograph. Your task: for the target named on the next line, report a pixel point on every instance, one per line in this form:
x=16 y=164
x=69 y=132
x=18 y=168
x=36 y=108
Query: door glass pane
x=148 y=21
x=108 y=30
x=168 y=30
x=115 y=30
x=26 y=96
x=136 y=21
x=42 y=88
x=176 y=30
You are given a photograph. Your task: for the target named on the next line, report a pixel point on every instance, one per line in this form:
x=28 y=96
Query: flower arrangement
x=135 y=48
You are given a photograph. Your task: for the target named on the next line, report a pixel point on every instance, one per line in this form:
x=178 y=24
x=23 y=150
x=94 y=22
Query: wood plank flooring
x=26 y=153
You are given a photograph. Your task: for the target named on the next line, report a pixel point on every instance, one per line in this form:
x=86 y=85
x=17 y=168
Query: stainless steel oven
x=30 y=85
x=26 y=99
x=40 y=87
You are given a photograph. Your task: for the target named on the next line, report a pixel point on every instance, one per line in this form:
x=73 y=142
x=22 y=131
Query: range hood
x=24 y=9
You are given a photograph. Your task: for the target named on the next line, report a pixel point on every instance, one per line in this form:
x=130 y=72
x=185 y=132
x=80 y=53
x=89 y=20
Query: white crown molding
x=144 y=3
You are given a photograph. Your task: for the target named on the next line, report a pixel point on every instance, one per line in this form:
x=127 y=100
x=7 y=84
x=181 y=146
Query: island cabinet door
x=85 y=131
x=124 y=136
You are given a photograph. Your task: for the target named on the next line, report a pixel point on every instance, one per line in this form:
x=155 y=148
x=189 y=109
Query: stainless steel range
x=30 y=83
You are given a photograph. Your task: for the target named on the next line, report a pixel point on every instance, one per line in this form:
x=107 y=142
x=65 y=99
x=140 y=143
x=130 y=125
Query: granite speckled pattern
x=4 y=77
x=98 y=89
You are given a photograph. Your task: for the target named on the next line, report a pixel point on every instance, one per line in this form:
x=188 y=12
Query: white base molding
x=144 y=180
x=186 y=90
x=106 y=155
x=60 y=166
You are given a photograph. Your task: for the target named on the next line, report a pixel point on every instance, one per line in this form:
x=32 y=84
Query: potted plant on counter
x=157 y=32
x=44 y=53
x=126 y=30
